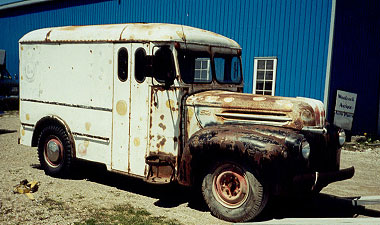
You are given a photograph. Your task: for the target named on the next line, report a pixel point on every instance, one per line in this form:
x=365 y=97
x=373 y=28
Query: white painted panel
x=78 y=74
x=121 y=114
x=88 y=122
x=140 y=97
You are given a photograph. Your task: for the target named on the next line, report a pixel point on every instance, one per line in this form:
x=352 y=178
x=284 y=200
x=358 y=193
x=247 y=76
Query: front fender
x=254 y=144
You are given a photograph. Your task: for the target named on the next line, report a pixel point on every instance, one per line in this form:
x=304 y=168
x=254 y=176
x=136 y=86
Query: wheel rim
x=230 y=186
x=53 y=152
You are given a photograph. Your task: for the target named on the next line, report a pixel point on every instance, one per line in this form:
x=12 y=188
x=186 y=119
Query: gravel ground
x=65 y=201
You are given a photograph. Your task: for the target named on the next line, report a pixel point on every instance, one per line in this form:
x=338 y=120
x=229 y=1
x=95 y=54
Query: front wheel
x=232 y=192
x=55 y=151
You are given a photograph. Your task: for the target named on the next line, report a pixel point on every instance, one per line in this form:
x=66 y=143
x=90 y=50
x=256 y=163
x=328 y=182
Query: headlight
x=305 y=149
x=342 y=137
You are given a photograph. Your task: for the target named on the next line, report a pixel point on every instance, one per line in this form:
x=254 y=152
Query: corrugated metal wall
x=296 y=31
x=356 y=61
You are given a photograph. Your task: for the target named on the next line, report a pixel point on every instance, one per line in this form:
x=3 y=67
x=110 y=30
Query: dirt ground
x=65 y=201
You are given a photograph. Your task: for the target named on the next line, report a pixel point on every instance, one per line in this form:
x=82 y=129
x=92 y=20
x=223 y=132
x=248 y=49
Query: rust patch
x=162 y=117
x=136 y=141
x=87 y=126
x=163 y=141
x=181 y=35
x=82 y=148
x=22 y=132
x=27 y=116
x=47 y=39
x=121 y=107
x=161 y=167
x=169 y=103
x=162 y=126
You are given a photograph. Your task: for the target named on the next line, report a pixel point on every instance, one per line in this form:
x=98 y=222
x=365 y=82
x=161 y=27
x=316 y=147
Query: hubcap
x=231 y=187
x=53 y=152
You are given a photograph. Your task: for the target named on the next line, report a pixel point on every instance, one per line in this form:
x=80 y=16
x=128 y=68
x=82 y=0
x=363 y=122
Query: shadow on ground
x=4 y=131
x=173 y=195
x=314 y=206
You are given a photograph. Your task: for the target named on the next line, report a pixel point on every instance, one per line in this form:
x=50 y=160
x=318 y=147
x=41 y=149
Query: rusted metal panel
x=256 y=144
x=222 y=107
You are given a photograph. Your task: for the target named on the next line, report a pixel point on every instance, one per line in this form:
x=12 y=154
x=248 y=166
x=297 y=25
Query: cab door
x=121 y=108
x=164 y=119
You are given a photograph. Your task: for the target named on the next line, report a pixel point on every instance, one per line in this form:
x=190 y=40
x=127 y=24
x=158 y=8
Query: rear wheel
x=55 y=151
x=232 y=192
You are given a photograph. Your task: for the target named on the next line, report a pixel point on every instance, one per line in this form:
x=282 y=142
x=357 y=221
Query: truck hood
x=222 y=107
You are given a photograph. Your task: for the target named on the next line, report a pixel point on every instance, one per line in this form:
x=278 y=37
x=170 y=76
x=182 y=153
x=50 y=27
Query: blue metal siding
x=356 y=61
x=295 y=31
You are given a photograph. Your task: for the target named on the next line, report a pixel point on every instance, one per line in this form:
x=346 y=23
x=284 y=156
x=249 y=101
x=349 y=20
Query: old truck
x=164 y=103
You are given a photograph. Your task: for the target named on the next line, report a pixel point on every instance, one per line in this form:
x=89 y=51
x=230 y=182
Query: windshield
x=196 y=67
x=227 y=69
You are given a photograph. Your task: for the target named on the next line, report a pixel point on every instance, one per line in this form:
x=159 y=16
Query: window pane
x=197 y=64
x=122 y=66
x=259 y=92
x=269 y=75
x=204 y=64
x=270 y=64
x=235 y=70
x=197 y=75
x=268 y=85
x=140 y=64
x=163 y=65
x=219 y=68
x=259 y=85
x=261 y=64
x=267 y=93
x=260 y=75
x=227 y=69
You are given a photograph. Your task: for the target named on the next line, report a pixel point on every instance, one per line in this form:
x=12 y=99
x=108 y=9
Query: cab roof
x=132 y=32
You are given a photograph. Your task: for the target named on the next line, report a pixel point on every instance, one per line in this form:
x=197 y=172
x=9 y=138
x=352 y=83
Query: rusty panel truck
x=164 y=103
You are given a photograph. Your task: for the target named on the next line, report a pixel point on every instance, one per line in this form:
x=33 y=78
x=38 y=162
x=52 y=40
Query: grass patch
x=53 y=204
x=125 y=214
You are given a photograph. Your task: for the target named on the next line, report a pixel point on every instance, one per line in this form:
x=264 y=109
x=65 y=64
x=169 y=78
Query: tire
x=232 y=192
x=57 y=160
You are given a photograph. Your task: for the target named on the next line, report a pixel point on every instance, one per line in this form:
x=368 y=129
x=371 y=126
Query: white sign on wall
x=344 y=109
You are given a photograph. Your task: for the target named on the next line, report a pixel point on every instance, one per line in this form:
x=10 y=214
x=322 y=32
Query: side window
x=202 y=70
x=140 y=64
x=163 y=65
x=122 y=64
x=195 y=67
x=264 y=77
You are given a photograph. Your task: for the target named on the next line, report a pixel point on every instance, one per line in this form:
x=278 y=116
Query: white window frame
x=207 y=69
x=255 y=70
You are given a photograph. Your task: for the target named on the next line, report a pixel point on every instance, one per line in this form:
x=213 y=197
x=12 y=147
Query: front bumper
x=316 y=181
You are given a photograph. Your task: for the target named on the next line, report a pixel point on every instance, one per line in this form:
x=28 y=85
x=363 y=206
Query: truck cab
x=164 y=103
